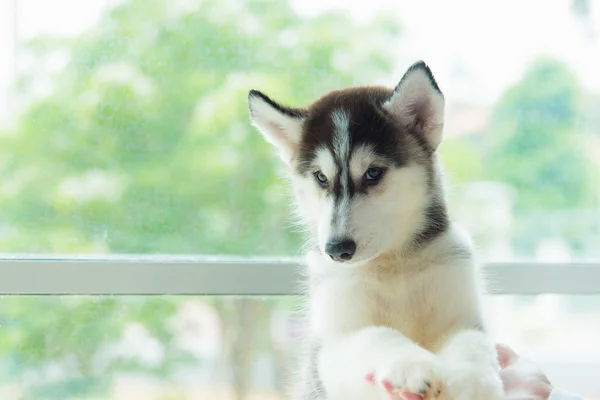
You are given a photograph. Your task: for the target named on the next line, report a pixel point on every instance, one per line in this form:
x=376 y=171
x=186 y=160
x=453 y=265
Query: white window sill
x=138 y=275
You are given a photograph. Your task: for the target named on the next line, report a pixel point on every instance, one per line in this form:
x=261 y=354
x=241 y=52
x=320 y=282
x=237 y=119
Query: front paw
x=475 y=383
x=411 y=378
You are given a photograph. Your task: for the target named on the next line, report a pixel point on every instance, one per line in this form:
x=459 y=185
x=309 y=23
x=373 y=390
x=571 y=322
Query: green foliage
x=533 y=142
x=144 y=146
x=72 y=331
x=534 y=146
x=462 y=161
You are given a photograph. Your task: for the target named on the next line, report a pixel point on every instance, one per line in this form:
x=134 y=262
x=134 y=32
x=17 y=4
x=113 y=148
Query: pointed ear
x=281 y=126
x=418 y=103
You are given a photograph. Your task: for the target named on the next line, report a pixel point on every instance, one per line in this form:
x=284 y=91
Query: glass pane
x=144 y=347
x=124 y=125
x=233 y=348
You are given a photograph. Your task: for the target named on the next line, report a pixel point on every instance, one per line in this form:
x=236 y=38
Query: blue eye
x=373 y=175
x=321 y=178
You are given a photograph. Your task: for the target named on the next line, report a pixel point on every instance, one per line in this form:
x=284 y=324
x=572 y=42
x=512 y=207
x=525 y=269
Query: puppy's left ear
x=418 y=104
x=281 y=126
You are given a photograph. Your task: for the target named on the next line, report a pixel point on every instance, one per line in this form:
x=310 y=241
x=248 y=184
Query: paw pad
x=397 y=392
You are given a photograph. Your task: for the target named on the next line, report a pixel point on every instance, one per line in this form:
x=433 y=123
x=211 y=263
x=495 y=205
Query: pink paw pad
x=395 y=392
x=410 y=396
x=370 y=377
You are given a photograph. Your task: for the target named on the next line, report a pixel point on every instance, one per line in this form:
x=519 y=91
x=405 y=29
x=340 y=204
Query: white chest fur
x=425 y=304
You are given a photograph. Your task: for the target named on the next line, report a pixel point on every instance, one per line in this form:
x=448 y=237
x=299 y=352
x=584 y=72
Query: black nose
x=340 y=249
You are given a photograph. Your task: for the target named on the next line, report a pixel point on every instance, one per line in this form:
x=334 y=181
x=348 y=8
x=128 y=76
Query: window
x=126 y=130
x=135 y=193
x=133 y=345
x=107 y=348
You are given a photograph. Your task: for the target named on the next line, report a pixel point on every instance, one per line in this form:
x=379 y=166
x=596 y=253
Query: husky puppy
x=393 y=292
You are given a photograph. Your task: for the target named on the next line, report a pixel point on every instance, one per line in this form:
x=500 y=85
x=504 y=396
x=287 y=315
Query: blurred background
x=124 y=130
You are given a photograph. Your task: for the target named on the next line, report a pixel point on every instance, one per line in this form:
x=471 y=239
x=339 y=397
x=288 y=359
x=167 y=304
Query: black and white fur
x=393 y=290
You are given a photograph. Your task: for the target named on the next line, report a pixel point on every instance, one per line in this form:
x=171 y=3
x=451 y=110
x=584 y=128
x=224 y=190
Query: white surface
x=243 y=276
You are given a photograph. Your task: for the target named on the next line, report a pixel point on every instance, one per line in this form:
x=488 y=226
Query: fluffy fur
x=392 y=286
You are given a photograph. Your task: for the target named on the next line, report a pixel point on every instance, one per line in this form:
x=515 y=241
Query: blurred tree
x=534 y=146
x=462 y=161
x=143 y=145
x=533 y=143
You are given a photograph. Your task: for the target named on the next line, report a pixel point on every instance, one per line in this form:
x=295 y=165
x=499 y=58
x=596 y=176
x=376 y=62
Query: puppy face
x=361 y=161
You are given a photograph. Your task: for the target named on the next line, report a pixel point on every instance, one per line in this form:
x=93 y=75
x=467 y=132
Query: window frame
x=196 y=275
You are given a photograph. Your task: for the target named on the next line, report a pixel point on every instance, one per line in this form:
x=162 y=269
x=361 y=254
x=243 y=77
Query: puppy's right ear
x=281 y=126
